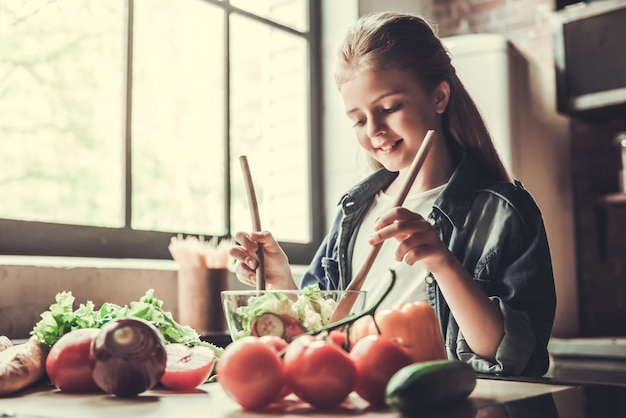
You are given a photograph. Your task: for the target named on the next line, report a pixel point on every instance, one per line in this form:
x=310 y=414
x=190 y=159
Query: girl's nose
x=375 y=128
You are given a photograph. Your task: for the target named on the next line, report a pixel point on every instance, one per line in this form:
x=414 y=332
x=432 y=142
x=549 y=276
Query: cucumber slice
x=269 y=324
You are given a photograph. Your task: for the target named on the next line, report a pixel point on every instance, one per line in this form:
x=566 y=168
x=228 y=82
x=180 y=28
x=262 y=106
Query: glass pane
x=269 y=124
x=178 y=117
x=61 y=101
x=292 y=13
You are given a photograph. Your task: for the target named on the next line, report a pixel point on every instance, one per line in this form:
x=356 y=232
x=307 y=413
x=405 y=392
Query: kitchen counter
x=492 y=398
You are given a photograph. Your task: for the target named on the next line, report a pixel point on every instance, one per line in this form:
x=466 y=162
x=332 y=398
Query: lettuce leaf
x=61 y=318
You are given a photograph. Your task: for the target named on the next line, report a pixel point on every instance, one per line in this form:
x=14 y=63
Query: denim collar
x=453 y=202
x=366 y=189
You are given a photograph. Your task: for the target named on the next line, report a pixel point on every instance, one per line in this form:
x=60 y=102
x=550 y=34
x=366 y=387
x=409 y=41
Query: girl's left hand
x=418 y=240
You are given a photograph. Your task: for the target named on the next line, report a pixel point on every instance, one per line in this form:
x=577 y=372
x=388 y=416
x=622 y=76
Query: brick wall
x=526 y=23
x=599 y=213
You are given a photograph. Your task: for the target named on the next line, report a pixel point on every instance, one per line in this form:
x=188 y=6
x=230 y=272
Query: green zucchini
x=420 y=387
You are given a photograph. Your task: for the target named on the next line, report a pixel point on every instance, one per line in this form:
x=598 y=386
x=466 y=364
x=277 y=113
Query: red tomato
x=340 y=338
x=377 y=358
x=293 y=328
x=250 y=372
x=319 y=371
x=187 y=367
x=278 y=344
x=67 y=364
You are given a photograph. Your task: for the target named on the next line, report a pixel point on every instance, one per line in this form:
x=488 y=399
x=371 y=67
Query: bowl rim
x=254 y=292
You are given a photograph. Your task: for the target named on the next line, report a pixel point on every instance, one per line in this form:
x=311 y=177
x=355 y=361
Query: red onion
x=127 y=357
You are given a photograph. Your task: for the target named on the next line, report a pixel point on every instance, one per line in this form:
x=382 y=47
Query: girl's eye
x=359 y=122
x=392 y=109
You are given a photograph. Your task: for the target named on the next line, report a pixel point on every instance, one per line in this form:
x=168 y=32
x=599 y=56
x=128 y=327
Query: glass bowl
x=284 y=313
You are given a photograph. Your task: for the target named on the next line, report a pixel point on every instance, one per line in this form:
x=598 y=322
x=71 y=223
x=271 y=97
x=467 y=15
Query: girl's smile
x=391 y=113
x=389 y=147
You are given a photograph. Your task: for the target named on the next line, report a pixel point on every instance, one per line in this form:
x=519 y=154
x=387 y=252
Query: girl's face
x=391 y=114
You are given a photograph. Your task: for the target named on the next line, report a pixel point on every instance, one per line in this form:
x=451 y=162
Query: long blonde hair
x=391 y=40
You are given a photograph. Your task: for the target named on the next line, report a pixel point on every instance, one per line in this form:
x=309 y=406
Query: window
x=123 y=120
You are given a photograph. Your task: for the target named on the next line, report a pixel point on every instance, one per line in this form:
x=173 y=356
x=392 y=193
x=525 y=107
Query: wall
x=29 y=284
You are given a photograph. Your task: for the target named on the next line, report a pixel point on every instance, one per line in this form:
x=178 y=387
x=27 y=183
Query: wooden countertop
x=490 y=398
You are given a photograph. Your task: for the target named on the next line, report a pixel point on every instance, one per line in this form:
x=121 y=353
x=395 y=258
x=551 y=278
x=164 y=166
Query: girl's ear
x=442 y=96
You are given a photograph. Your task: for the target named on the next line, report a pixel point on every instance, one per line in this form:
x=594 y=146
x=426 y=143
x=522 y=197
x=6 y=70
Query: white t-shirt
x=410 y=285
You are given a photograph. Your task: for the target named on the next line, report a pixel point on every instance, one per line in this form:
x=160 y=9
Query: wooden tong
x=346 y=302
x=256 y=219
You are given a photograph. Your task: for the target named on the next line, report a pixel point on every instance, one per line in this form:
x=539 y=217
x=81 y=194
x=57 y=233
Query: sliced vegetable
x=309 y=311
x=187 y=367
x=128 y=357
x=268 y=324
x=422 y=387
x=67 y=364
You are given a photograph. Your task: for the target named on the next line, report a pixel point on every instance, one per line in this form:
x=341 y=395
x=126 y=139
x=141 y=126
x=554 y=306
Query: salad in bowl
x=283 y=313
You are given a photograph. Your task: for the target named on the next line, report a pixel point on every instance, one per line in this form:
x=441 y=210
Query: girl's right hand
x=277 y=269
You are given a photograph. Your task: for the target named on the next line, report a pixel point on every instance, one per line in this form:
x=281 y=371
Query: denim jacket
x=496 y=230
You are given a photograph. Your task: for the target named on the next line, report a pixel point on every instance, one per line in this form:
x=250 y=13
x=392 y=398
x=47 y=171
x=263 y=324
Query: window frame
x=53 y=239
